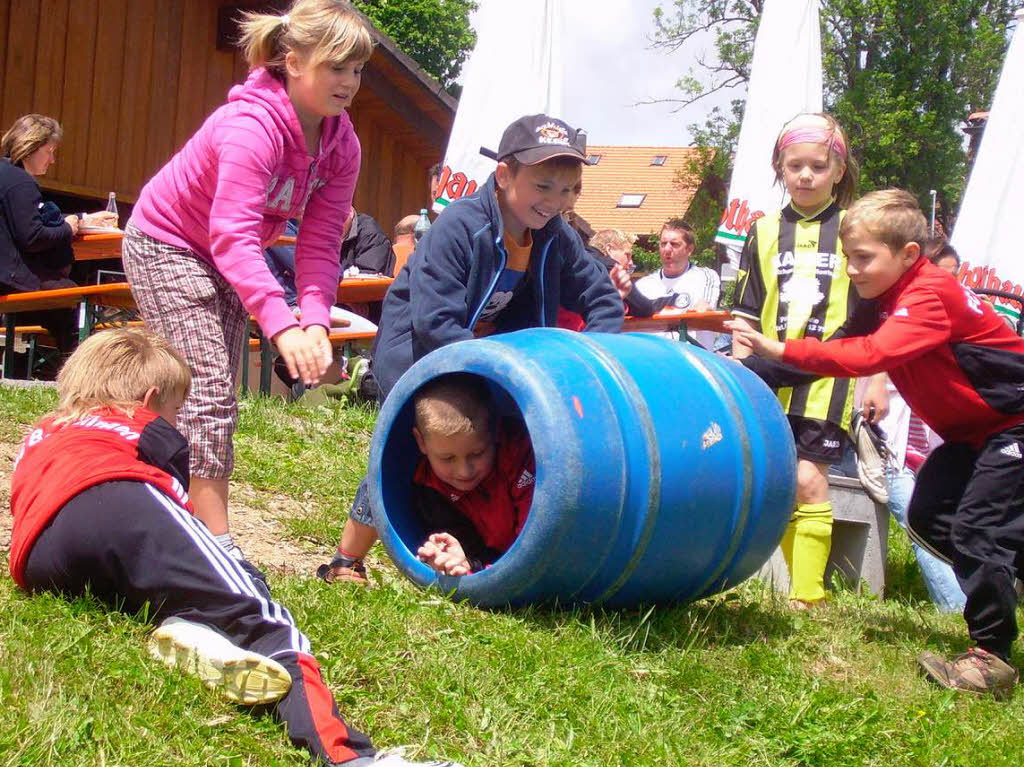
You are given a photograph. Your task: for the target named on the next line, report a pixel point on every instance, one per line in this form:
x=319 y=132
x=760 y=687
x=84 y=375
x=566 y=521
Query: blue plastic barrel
x=664 y=472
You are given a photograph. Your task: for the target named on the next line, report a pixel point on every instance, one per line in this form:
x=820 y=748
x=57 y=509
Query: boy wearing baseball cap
x=499 y=260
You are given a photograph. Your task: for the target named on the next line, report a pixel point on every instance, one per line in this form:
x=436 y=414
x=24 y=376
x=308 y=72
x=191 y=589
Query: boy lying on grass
x=961 y=369
x=100 y=503
x=474 y=484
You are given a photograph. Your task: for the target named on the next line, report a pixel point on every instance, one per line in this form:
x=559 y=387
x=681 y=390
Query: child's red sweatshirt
x=954 y=360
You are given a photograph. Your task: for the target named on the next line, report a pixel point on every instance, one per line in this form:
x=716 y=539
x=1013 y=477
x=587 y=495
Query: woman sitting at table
x=35 y=239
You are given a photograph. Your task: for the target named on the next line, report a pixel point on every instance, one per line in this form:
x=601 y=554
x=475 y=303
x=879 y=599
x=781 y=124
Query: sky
x=610 y=68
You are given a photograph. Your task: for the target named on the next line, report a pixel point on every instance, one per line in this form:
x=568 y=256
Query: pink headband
x=833 y=138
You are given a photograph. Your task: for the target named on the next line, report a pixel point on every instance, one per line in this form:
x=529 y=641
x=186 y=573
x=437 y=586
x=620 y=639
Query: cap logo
x=552 y=133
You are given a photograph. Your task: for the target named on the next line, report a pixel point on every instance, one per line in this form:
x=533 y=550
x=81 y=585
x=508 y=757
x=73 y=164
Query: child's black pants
x=968 y=508
x=133 y=545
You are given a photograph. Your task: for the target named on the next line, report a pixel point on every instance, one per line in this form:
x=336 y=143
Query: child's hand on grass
x=443 y=553
x=756 y=342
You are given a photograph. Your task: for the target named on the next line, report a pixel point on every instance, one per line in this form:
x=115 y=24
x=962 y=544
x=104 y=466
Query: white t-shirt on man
x=696 y=283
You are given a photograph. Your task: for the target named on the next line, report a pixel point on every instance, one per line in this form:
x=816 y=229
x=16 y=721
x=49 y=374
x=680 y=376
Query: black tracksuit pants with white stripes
x=968 y=508
x=133 y=545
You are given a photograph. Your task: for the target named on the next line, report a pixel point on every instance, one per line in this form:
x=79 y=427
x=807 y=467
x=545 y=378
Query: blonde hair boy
x=121 y=368
x=892 y=216
x=458 y=403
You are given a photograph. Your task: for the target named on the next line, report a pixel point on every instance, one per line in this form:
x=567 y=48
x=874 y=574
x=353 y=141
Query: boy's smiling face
x=460 y=460
x=535 y=194
x=872 y=265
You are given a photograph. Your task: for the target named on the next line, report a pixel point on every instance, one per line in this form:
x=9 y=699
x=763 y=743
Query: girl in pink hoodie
x=281 y=147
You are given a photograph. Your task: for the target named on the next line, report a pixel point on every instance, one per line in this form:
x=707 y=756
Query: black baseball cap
x=536 y=138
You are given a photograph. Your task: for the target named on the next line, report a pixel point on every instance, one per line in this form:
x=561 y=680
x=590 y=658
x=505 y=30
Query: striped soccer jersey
x=793 y=282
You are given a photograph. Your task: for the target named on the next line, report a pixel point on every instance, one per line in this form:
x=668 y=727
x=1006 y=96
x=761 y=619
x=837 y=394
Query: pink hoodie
x=229 y=191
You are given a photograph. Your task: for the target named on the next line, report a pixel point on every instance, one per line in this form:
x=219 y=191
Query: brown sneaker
x=976 y=671
x=344 y=570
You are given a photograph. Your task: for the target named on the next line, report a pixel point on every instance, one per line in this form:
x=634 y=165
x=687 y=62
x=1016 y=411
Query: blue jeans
x=938 y=576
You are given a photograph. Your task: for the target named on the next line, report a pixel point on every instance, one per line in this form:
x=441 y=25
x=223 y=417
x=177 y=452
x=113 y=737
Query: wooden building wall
x=130 y=80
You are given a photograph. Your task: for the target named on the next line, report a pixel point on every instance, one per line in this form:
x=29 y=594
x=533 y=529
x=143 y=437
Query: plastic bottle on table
x=422 y=226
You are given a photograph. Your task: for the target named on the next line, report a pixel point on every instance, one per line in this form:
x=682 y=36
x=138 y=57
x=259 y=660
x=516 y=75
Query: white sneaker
x=239 y=675
x=393 y=757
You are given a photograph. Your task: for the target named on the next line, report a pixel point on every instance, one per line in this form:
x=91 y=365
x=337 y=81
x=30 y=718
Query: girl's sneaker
x=239 y=675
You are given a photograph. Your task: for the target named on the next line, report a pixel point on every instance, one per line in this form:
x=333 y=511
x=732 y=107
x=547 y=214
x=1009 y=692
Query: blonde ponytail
x=323 y=30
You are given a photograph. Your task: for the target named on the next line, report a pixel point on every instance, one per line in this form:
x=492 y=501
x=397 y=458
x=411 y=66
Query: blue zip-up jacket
x=438 y=296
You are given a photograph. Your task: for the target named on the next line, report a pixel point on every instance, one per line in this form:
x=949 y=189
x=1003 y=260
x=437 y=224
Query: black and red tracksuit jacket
x=955 y=361
x=59 y=461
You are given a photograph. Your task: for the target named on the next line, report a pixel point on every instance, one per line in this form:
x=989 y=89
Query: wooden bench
x=84 y=298
x=33 y=336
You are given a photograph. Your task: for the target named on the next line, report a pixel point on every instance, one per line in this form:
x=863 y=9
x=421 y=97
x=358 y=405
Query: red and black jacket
x=955 y=361
x=488 y=518
x=59 y=461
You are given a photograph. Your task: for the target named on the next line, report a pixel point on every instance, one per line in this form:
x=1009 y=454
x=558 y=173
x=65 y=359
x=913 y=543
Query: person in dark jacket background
x=35 y=239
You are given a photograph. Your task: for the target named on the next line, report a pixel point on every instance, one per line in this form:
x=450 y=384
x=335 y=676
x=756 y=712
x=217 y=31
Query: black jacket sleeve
x=436 y=515
x=748 y=300
x=640 y=305
x=29 y=233
x=587 y=290
x=370 y=250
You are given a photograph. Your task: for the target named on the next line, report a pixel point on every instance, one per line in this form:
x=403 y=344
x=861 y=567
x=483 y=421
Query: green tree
x=435 y=33
x=899 y=75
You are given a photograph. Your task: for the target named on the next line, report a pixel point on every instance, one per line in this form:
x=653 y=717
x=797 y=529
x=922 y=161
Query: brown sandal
x=344 y=570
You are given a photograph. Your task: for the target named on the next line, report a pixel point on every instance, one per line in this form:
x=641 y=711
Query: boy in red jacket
x=99 y=498
x=961 y=369
x=473 y=486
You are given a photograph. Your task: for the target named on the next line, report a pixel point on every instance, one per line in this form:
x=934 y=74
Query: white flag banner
x=785 y=80
x=499 y=88
x=987 y=232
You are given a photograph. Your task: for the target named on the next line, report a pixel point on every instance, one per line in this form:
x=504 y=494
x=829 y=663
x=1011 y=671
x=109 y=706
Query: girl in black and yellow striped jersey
x=793 y=284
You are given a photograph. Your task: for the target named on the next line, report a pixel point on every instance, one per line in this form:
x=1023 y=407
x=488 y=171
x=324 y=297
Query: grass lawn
x=734 y=680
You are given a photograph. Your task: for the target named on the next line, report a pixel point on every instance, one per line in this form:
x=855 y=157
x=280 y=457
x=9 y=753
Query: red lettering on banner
x=986 y=277
x=738 y=217
x=446 y=173
x=454 y=185
x=459 y=186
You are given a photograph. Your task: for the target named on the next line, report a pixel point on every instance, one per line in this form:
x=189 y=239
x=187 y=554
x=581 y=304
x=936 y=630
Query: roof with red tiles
x=659 y=181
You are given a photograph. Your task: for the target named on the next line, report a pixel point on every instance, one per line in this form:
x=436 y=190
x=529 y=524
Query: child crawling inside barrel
x=473 y=485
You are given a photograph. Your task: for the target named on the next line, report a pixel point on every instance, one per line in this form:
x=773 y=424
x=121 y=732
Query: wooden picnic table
x=678 y=320
x=99 y=246
x=96 y=247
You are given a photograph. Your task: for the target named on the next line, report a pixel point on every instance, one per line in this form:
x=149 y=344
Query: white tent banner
x=987 y=232
x=514 y=70
x=785 y=80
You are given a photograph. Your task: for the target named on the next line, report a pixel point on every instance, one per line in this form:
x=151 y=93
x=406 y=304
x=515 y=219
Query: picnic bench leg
x=31 y=354
x=84 y=320
x=8 y=345
x=266 y=364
